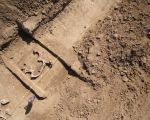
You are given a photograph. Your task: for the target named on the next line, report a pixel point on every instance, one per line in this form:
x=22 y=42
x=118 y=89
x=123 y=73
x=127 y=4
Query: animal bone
x=4 y=101
x=2 y=115
x=31 y=72
x=40 y=59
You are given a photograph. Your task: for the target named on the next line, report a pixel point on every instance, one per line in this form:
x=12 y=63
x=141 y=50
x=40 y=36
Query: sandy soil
x=111 y=40
x=116 y=54
x=21 y=10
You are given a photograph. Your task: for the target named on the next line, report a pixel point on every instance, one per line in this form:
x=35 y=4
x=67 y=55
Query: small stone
x=81 y=113
x=4 y=101
x=47 y=1
x=116 y=35
x=68 y=77
x=95 y=64
x=80 y=52
x=116 y=7
x=89 y=99
x=44 y=12
x=72 y=115
x=98 y=54
x=98 y=37
x=124 y=79
x=108 y=17
x=144 y=60
x=74 y=46
x=122 y=73
x=96 y=101
x=93 y=72
x=36 y=13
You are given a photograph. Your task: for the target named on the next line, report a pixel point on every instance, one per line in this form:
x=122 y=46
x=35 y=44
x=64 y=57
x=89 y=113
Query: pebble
x=81 y=113
x=74 y=46
x=124 y=79
x=95 y=64
x=4 y=101
x=116 y=35
x=36 y=13
x=68 y=77
x=47 y=1
x=98 y=37
x=96 y=101
x=44 y=12
x=93 y=71
x=122 y=73
x=144 y=60
x=98 y=54
x=108 y=17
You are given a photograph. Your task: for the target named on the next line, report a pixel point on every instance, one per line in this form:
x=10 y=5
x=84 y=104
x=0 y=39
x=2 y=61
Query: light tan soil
x=112 y=42
x=115 y=54
x=21 y=10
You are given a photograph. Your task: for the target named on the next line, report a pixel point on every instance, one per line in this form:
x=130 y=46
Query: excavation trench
x=30 y=38
x=113 y=50
x=60 y=35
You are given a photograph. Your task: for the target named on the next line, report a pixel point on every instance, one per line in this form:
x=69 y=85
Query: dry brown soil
x=111 y=40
